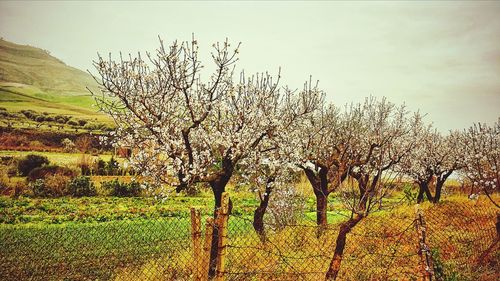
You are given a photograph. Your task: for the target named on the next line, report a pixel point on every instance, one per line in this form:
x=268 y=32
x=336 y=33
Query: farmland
x=177 y=163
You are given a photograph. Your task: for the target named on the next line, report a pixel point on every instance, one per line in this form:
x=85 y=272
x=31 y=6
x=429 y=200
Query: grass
x=78 y=250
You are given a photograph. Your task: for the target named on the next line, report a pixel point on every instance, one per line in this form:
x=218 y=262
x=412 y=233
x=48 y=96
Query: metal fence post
x=196 y=237
x=222 y=219
x=426 y=266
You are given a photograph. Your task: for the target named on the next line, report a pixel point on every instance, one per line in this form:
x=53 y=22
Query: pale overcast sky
x=440 y=57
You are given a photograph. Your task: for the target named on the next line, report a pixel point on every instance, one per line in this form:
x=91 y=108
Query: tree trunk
x=258 y=216
x=218 y=187
x=321 y=207
x=420 y=196
x=345 y=228
x=424 y=189
x=319 y=184
x=439 y=185
x=321 y=214
x=437 y=195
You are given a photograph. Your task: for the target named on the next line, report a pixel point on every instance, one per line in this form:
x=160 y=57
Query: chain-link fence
x=460 y=237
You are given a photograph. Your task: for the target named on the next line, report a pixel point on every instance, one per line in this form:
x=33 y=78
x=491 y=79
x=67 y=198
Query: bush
x=101 y=167
x=72 y=123
x=285 y=207
x=86 y=165
x=112 y=167
x=60 y=120
x=52 y=186
x=12 y=140
x=50 y=170
x=121 y=189
x=57 y=185
x=82 y=186
x=82 y=122
x=39 y=188
x=28 y=113
x=30 y=162
x=68 y=145
x=84 y=143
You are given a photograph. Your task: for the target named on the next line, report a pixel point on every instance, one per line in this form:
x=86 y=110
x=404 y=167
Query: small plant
x=82 y=186
x=409 y=195
x=441 y=272
x=30 y=162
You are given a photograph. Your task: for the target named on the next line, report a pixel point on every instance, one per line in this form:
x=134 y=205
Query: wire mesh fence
x=461 y=238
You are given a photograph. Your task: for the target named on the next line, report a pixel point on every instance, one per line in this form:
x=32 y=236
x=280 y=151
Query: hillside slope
x=30 y=78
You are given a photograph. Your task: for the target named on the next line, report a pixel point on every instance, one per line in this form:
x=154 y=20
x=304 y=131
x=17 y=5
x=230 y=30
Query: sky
x=442 y=58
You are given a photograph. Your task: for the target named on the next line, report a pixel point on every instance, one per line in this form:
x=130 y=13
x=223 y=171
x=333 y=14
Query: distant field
x=15 y=97
x=68 y=159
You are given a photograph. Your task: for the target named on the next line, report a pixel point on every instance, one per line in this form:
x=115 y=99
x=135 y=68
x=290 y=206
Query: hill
x=30 y=78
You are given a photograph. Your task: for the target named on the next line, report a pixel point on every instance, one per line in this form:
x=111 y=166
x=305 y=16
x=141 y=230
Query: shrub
x=86 y=165
x=82 y=122
x=40 y=118
x=82 y=186
x=112 y=167
x=12 y=140
x=57 y=185
x=72 y=123
x=90 y=126
x=39 y=188
x=285 y=207
x=101 y=167
x=68 y=145
x=59 y=119
x=30 y=162
x=121 y=189
x=5 y=184
x=50 y=170
x=28 y=113
x=84 y=143
x=36 y=144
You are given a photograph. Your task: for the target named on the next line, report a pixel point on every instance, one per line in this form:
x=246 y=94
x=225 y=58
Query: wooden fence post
x=426 y=266
x=196 y=237
x=207 y=246
x=222 y=219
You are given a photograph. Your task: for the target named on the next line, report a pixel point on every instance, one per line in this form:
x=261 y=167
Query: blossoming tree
x=327 y=139
x=432 y=161
x=384 y=137
x=481 y=146
x=186 y=130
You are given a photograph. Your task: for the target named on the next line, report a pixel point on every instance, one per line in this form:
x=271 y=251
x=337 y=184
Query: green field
x=59 y=158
